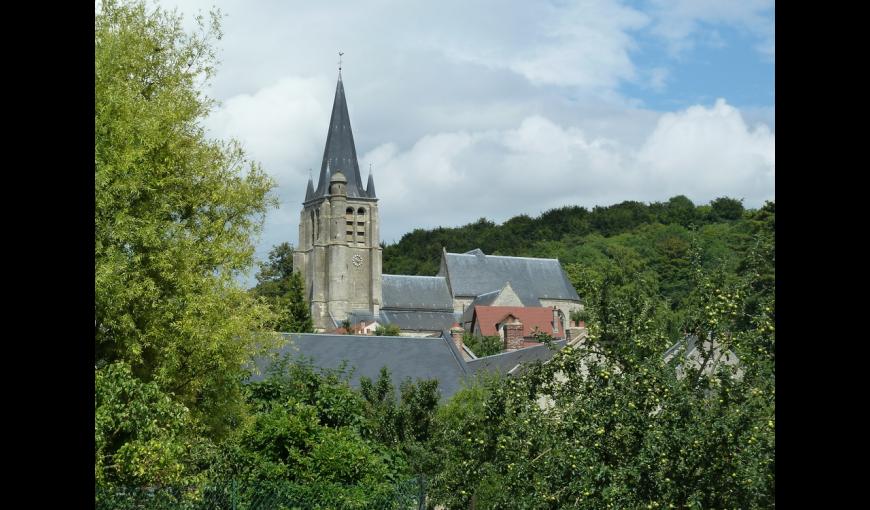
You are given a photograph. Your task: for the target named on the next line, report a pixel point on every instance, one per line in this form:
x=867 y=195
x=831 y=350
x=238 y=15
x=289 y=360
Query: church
x=339 y=257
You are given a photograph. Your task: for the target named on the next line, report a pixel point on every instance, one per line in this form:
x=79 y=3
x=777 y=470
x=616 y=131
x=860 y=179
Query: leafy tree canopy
x=174 y=218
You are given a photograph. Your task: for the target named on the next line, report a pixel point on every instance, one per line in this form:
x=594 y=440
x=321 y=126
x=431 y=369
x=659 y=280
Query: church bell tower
x=339 y=252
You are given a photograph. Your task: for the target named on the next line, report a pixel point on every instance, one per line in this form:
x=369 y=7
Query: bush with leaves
x=388 y=330
x=483 y=345
x=144 y=438
x=310 y=437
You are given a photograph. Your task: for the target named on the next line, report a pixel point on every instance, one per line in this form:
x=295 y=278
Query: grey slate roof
x=482 y=300
x=475 y=273
x=405 y=357
x=419 y=320
x=309 y=192
x=416 y=293
x=370 y=187
x=340 y=151
x=506 y=361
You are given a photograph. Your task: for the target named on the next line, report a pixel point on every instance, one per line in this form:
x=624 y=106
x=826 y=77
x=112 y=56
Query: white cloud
x=276 y=122
x=707 y=152
x=584 y=44
x=454 y=178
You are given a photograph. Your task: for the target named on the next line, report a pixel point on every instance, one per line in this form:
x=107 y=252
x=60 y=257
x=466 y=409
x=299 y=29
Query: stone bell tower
x=339 y=252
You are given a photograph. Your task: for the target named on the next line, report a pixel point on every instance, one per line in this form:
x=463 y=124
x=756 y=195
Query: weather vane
x=339 y=60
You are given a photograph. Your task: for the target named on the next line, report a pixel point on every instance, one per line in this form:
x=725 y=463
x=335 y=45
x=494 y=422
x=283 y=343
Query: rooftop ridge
x=366 y=337
x=414 y=276
x=508 y=353
x=502 y=256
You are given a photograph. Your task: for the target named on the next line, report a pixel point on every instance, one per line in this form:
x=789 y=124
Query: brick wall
x=513 y=337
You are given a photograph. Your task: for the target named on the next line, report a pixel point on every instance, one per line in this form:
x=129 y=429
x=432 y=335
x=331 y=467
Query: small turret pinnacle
x=309 y=193
x=370 y=187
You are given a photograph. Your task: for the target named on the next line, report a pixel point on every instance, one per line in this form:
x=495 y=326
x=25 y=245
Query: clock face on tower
x=357 y=260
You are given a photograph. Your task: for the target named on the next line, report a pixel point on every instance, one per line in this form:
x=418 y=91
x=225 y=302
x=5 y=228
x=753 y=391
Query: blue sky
x=734 y=70
x=492 y=108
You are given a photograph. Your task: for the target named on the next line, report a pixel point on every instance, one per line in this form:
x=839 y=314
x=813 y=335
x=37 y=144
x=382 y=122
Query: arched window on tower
x=349 y=221
x=313 y=227
x=361 y=225
x=316 y=224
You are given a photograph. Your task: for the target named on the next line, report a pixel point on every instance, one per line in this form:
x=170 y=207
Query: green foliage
x=388 y=330
x=293 y=312
x=611 y=425
x=174 y=218
x=726 y=209
x=407 y=425
x=309 y=430
x=483 y=345
x=284 y=291
x=273 y=279
x=142 y=436
x=580 y=315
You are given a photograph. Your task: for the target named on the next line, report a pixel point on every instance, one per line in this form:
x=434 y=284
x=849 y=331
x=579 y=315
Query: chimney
x=456 y=333
x=513 y=334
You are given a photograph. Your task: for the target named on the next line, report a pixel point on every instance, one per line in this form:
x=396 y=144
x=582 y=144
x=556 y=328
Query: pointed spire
x=370 y=187
x=309 y=193
x=340 y=151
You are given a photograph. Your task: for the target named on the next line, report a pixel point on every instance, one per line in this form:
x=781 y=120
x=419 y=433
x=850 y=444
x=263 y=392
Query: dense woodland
x=608 y=424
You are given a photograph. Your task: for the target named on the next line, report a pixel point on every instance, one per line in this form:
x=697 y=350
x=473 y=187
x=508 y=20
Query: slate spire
x=370 y=187
x=340 y=151
x=309 y=193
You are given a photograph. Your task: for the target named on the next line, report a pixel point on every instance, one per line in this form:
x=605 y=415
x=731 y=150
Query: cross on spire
x=340 y=53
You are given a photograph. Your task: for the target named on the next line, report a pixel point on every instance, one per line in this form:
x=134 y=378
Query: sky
x=470 y=109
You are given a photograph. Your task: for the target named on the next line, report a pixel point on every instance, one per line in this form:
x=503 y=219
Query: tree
x=273 y=279
x=680 y=210
x=284 y=290
x=174 y=218
x=388 y=330
x=726 y=209
x=408 y=424
x=291 y=308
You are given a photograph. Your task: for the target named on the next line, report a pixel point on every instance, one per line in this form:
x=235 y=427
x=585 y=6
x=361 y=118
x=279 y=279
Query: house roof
x=406 y=292
x=481 y=300
x=339 y=153
x=686 y=352
x=475 y=273
x=408 y=320
x=405 y=357
x=419 y=320
x=506 y=361
x=487 y=317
